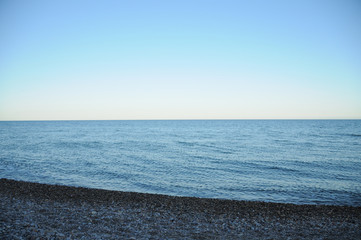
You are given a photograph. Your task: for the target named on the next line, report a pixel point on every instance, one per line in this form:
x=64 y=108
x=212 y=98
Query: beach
x=41 y=211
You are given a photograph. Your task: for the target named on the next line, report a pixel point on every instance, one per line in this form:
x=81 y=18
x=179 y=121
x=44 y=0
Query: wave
x=214 y=148
x=353 y=135
x=189 y=144
x=83 y=144
x=283 y=169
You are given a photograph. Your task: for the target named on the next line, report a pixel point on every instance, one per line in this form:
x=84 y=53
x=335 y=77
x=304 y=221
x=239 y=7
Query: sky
x=188 y=59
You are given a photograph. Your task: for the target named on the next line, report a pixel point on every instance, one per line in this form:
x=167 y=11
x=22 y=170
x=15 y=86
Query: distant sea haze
x=286 y=161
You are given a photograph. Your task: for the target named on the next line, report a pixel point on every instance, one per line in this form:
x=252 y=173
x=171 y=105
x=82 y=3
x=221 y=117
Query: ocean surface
x=286 y=161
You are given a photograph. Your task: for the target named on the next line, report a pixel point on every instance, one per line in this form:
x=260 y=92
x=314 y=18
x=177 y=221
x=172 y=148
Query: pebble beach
x=41 y=211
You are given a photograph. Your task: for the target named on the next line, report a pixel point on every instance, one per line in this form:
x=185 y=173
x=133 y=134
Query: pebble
x=85 y=215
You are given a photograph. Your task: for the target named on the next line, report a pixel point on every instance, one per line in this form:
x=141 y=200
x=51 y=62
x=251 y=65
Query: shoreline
x=32 y=210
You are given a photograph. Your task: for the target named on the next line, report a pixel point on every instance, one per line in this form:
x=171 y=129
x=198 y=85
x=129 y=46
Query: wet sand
x=35 y=211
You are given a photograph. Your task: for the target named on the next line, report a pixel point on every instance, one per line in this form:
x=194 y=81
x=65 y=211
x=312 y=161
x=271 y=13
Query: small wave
x=189 y=144
x=284 y=142
x=353 y=135
x=283 y=169
x=223 y=151
x=204 y=157
x=207 y=158
x=72 y=145
x=214 y=148
x=218 y=149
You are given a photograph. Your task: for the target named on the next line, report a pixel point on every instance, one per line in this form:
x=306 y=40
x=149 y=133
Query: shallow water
x=289 y=161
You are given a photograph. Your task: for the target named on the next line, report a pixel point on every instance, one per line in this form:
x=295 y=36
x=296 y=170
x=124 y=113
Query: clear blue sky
x=180 y=59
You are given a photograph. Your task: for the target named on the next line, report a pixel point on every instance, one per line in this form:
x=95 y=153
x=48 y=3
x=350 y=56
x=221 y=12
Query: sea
x=284 y=161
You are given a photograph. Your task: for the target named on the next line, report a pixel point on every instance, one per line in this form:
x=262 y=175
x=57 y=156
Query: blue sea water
x=287 y=161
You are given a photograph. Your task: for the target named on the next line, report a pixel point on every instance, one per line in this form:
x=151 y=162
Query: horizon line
x=175 y=119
